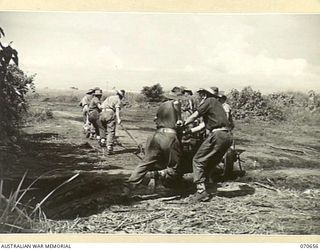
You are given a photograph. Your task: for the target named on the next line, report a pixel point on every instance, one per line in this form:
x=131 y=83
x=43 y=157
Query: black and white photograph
x=159 y=123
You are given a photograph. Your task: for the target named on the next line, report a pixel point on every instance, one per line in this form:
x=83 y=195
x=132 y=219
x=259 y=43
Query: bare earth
x=280 y=193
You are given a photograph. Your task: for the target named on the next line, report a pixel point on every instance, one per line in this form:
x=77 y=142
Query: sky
x=269 y=52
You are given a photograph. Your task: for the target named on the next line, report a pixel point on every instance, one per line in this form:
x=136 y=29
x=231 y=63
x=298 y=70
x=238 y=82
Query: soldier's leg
x=200 y=160
x=172 y=171
x=229 y=159
x=87 y=124
x=222 y=145
x=213 y=148
x=93 y=118
x=111 y=133
x=150 y=163
x=140 y=172
x=84 y=115
x=102 y=131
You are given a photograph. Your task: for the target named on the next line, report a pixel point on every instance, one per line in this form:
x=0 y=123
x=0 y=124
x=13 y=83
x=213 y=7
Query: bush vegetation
x=249 y=103
x=153 y=93
x=14 y=84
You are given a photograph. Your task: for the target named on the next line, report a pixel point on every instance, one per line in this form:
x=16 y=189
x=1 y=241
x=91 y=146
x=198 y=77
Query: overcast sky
x=268 y=52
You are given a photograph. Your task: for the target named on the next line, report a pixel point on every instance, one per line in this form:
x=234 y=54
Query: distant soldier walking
x=110 y=116
x=216 y=144
x=312 y=100
x=84 y=103
x=94 y=111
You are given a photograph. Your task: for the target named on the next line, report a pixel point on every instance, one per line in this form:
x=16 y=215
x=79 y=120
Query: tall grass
x=39 y=114
x=17 y=217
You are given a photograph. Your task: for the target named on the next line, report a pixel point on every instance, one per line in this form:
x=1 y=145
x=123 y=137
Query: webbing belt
x=219 y=129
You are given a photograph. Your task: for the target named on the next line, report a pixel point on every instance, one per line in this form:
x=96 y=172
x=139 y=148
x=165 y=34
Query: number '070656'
x=309 y=246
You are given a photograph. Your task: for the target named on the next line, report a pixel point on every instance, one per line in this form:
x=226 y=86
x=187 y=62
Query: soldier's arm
x=118 y=115
x=198 y=128
x=99 y=105
x=191 y=118
x=117 y=107
x=83 y=102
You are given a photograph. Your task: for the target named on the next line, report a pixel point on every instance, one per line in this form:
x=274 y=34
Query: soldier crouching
x=163 y=150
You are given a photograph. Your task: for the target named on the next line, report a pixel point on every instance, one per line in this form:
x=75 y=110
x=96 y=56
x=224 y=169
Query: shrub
x=153 y=93
x=12 y=100
x=133 y=99
x=14 y=84
x=249 y=103
x=282 y=99
x=139 y=98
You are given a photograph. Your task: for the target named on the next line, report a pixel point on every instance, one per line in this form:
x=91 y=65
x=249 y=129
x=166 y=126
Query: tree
x=251 y=103
x=153 y=93
x=14 y=84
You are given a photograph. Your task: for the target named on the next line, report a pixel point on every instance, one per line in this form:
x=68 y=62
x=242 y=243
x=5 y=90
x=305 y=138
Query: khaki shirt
x=94 y=104
x=112 y=102
x=214 y=116
x=167 y=115
x=86 y=100
x=188 y=106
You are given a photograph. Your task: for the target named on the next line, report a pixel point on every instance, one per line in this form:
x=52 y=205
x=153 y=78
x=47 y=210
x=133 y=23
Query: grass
x=17 y=216
x=39 y=114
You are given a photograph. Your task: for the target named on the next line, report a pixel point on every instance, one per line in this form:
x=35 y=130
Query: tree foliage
x=14 y=84
x=249 y=103
x=153 y=93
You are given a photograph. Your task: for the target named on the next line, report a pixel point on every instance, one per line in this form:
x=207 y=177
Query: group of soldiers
x=100 y=118
x=180 y=117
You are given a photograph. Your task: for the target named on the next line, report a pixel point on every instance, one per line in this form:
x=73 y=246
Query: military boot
x=109 y=150
x=154 y=180
x=102 y=142
x=201 y=194
x=126 y=191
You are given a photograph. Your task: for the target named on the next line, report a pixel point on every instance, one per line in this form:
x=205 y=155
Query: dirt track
x=280 y=193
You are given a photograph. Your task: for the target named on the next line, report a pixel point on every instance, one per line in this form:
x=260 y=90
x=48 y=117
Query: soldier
x=216 y=144
x=94 y=111
x=110 y=115
x=227 y=109
x=163 y=149
x=312 y=100
x=188 y=105
x=84 y=103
